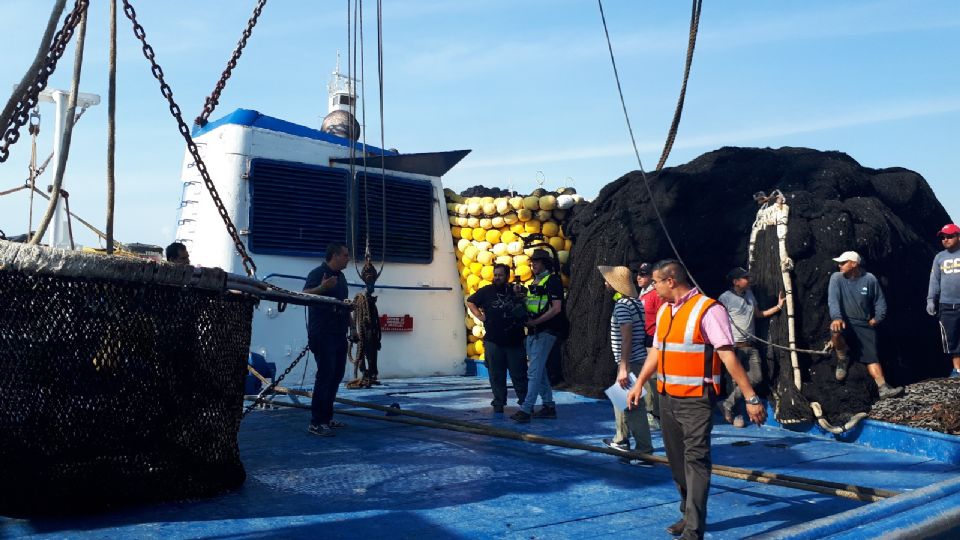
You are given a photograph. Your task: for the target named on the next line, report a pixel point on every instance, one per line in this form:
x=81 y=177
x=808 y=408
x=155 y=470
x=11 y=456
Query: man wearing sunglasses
x=943 y=293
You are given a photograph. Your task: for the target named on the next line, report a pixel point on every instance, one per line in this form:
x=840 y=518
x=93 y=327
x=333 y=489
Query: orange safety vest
x=687 y=363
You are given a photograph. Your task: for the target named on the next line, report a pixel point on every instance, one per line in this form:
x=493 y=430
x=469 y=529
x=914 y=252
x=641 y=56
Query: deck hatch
x=409 y=215
x=296 y=209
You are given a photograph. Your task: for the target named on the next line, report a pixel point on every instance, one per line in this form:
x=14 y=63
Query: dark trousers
x=500 y=359
x=330 y=351
x=555 y=363
x=686 y=425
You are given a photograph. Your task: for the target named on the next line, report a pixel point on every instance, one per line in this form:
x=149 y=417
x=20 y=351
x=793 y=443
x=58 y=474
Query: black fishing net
x=890 y=216
x=116 y=390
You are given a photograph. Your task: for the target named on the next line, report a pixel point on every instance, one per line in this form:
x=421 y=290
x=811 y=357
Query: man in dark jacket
x=327 y=326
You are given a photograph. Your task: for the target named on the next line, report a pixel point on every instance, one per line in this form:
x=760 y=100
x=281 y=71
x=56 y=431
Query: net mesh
x=117 y=392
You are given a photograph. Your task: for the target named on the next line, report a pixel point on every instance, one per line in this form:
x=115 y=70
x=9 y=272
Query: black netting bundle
x=117 y=385
x=890 y=216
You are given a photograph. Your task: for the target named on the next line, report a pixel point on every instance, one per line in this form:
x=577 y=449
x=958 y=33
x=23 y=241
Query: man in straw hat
x=693 y=338
x=627 y=342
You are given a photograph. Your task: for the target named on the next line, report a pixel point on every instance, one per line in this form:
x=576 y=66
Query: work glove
x=931 y=308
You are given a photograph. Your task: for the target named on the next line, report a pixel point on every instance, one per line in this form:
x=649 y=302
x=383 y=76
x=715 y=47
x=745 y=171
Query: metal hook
x=541 y=178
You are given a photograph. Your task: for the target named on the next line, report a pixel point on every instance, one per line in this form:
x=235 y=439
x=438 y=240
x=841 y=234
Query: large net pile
x=890 y=216
x=488 y=227
x=121 y=381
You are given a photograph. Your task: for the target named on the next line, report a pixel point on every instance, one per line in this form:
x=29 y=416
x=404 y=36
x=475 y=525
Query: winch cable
x=214 y=99
x=68 y=123
x=691 y=43
x=383 y=170
x=850 y=491
x=111 y=123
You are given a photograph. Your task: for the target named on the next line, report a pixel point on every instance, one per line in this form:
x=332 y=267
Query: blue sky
x=527 y=85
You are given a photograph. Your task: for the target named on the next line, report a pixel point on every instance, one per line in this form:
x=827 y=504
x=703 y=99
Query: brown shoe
x=677 y=528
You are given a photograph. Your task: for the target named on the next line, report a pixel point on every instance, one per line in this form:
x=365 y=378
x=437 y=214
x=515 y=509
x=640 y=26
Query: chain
x=214 y=99
x=167 y=92
x=261 y=397
x=29 y=96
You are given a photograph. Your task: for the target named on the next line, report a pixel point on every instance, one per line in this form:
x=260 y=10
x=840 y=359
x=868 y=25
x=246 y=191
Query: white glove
x=931 y=308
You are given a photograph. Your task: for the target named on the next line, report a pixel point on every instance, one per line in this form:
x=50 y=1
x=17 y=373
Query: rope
x=111 y=124
x=66 y=205
x=633 y=141
x=67 y=129
x=861 y=493
x=41 y=57
x=32 y=181
x=691 y=43
x=383 y=173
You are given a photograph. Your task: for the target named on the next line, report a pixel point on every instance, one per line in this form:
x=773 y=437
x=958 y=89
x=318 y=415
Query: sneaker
x=520 y=417
x=738 y=421
x=320 y=430
x=546 y=412
x=887 y=391
x=955 y=374
x=498 y=409
x=336 y=424
x=841 y=372
x=622 y=446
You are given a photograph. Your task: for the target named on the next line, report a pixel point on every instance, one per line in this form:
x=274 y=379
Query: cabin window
x=408 y=213
x=296 y=209
x=346 y=100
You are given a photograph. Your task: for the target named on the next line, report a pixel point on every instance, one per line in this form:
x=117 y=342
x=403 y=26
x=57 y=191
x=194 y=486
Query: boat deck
x=400 y=481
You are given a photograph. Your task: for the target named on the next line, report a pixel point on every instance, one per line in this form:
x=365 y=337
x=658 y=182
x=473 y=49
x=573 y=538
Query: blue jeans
x=330 y=351
x=538 y=384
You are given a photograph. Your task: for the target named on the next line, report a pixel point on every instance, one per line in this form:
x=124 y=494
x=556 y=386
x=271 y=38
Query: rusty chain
x=29 y=96
x=167 y=92
x=261 y=397
x=214 y=99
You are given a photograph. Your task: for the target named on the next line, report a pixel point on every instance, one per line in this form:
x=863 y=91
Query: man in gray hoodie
x=943 y=293
x=857 y=306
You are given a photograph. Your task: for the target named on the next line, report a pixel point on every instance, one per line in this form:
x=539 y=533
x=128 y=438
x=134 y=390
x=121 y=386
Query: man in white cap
x=629 y=352
x=943 y=294
x=857 y=306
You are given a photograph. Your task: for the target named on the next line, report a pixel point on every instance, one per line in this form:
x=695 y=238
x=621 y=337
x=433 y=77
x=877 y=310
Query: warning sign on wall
x=396 y=323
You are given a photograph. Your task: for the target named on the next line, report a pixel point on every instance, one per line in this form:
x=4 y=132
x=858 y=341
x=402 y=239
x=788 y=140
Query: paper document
x=618 y=394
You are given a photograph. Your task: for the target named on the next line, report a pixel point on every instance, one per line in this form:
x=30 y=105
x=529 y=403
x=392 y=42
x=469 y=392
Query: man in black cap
x=742 y=307
x=545 y=325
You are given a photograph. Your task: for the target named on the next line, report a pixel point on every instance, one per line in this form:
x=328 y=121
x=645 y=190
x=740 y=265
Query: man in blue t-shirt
x=629 y=352
x=943 y=294
x=327 y=326
x=857 y=306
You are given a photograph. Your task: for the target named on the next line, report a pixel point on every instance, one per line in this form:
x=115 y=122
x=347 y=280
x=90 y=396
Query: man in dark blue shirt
x=327 y=326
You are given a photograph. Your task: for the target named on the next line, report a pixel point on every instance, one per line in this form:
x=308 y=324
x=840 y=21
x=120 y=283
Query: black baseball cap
x=737 y=273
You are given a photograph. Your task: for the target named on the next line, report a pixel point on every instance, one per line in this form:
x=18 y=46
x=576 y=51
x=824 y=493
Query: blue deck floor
x=401 y=481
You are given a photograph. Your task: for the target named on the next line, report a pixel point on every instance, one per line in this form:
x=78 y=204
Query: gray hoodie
x=945 y=278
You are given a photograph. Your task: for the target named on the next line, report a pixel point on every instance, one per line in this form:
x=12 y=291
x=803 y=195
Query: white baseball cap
x=848 y=256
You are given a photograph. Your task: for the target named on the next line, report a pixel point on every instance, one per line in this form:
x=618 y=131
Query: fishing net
x=890 y=216
x=121 y=381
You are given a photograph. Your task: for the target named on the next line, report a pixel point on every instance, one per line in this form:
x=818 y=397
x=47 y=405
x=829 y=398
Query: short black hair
x=673 y=269
x=505 y=268
x=173 y=251
x=333 y=248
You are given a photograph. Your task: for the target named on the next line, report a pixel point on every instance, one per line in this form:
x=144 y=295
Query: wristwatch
x=755 y=400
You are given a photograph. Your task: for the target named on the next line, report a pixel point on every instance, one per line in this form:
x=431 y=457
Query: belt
x=743 y=345
x=950 y=306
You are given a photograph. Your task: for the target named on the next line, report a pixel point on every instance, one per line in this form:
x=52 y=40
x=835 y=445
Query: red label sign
x=401 y=323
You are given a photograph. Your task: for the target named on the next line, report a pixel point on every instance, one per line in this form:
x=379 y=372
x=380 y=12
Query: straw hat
x=620 y=278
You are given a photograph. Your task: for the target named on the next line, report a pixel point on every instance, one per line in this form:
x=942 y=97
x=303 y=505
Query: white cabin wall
x=436 y=345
